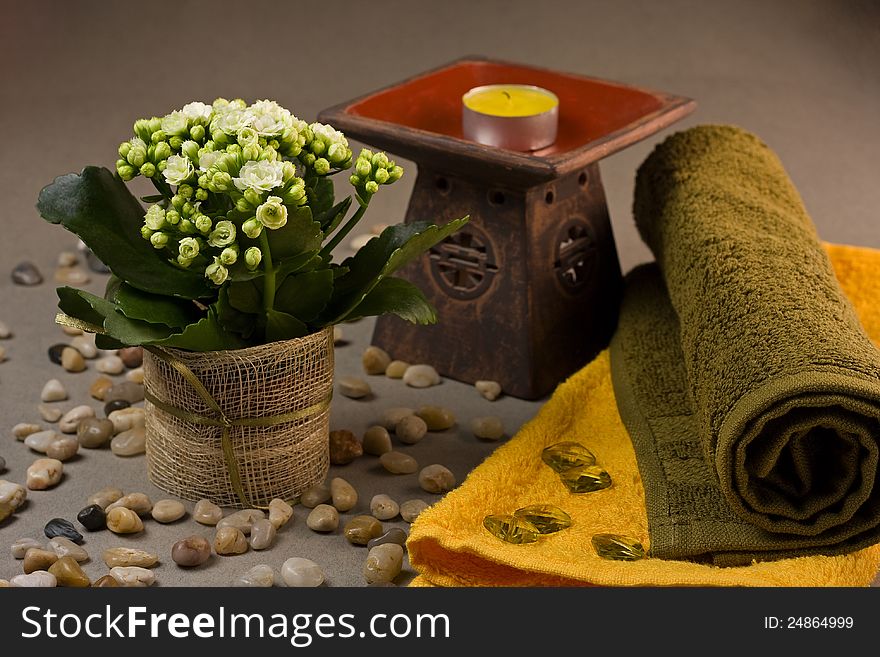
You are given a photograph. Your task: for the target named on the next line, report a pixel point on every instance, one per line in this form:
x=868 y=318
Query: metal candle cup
x=517 y=117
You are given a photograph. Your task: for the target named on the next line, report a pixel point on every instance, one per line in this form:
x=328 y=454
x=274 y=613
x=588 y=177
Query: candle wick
x=506 y=94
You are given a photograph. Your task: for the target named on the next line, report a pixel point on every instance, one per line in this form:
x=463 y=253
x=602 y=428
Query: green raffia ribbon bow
x=220 y=419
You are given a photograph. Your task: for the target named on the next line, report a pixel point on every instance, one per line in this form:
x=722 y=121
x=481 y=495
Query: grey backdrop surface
x=801 y=74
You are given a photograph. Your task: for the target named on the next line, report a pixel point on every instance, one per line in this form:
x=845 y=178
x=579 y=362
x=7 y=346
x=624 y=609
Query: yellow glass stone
x=618 y=548
x=546 y=518
x=566 y=455
x=511 y=529
x=585 y=479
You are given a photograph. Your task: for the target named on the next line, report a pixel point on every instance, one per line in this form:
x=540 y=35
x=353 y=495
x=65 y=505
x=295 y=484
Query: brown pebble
x=323 y=518
x=72 y=360
x=396 y=369
x=191 y=551
x=131 y=356
x=343 y=494
x=105 y=581
x=137 y=502
x=98 y=389
x=377 y=440
x=411 y=429
x=436 y=478
x=38 y=559
x=280 y=512
x=437 y=418
x=69 y=573
x=229 y=540
x=207 y=513
x=361 y=529
x=344 y=447
x=314 y=495
x=375 y=360
x=93 y=432
x=398 y=463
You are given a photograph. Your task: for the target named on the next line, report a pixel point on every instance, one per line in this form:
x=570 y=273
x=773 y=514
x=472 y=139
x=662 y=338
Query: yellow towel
x=448 y=545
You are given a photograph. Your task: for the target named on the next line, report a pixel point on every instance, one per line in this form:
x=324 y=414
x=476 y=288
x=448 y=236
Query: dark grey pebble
x=393 y=535
x=61 y=527
x=115 y=405
x=26 y=273
x=55 y=352
x=93 y=517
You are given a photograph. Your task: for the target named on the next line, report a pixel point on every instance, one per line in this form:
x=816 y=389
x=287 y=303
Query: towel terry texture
x=448 y=545
x=749 y=388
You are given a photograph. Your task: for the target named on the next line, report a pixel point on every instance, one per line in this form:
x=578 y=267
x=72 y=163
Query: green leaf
x=96 y=206
x=155 y=198
x=72 y=303
x=281 y=326
x=155 y=308
x=105 y=313
x=321 y=196
x=103 y=341
x=395 y=247
x=246 y=296
x=300 y=234
x=232 y=319
x=331 y=219
x=307 y=261
x=395 y=295
x=205 y=335
x=305 y=295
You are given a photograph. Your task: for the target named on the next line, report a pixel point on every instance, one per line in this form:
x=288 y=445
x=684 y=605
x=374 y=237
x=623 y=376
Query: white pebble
x=261 y=576
x=300 y=572
x=44 y=473
x=353 y=387
x=490 y=390
x=20 y=547
x=24 y=429
x=40 y=441
x=136 y=375
x=110 y=365
x=421 y=376
x=37 y=579
x=127 y=418
x=50 y=414
x=133 y=575
x=383 y=507
x=488 y=428
x=85 y=344
x=73 y=417
x=53 y=391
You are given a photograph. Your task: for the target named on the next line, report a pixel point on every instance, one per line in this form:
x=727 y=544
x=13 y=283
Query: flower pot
x=240 y=427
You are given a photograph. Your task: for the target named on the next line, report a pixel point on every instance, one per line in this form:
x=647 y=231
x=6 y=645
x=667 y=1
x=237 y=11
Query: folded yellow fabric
x=448 y=545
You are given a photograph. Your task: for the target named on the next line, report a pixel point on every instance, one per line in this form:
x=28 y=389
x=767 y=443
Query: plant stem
x=268 y=272
x=345 y=230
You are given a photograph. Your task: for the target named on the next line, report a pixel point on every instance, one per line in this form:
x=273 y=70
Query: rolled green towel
x=750 y=390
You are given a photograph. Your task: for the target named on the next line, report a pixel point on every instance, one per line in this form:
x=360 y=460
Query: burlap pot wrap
x=240 y=427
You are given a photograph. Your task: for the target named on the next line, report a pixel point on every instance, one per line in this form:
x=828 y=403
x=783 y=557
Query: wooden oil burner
x=527 y=292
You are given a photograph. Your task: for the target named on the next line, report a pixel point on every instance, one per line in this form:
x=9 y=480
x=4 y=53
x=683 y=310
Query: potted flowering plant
x=235 y=253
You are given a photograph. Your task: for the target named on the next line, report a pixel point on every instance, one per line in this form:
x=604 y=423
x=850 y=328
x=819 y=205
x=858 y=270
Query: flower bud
x=381 y=176
x=221 y=182
x=248 y=137
x=136 y=155
x=354 y=180
x=269 y=153
x=143 y=129
x=146 y=233
x=172 y=217
x=222 y=235
x=197 y=132
x=288 y=171
x=252 y=228
x=159 y=240
x=322 y=166
x=158 y=136
x=337 y=153
x=307 y=159
x=203 y=223
x=272 y=214
x=251 y=152
x=187 y=209
x=229 y=255
x=243 y=206
x=379 y=160
x=124 y=147
x=155 y=217
x=201 y=194
x=189 y=148
x=363 y=167
x=216 y=272
x=366 y=154
x=371 y=187
x=176 y=142
x=188 y=247
x=177 y=202
x=394 y=174
x=184 y=262
x=252 y=257
x=187 y=227
x=234 y=149
x=186 y=191
x=148 y=170
x=125 y=170
x=317 y=147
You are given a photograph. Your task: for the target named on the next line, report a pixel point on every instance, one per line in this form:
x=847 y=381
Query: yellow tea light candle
x=513 y=116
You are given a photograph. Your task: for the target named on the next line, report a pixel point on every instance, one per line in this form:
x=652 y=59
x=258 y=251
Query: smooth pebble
x=394 y=535
x=396 y=369
x=280 y=512
x=360 y=529
x=110 y=365
x=343 y=494
x=93 y=517
x=127 y=556
x=64 y=547
x=133 y=576
x=338 y=335
x=127 y=390
x=26 y=273
x=376 y=440
x=488 y=428
x=105 y=581
x=20 y=546
x=131 y=356
x=50 y=414
x=166 y=511
x=242 y=520
x=62 y=527
x=127 y=418
x=116 y=405
x=437 y=418
x=135 y=376
x=130 y=442
x=38 y=559
x=300 y=572
x=398 y=463
x=391 y=416
x=53 y=391
x=124 y=521
x=85 y=345
x=262 y=534
x=63 y=448
x=323 y=518
x=411 y=429
x=191 y=551
x=44 y=474
x=72 y=360
x=40 y=441
x=207 y=513
x=106 y=496
x=383 y=507
x=12 y=494
x=490 y=390
x=384 y=563
x=140 y=503
x=74 y=416
x=375 y=360
x=229 y=541
x=315 y=495
x=421 y=376
x=24 y=429
x=38 y=579
x=353 y=387
x=67 y=259
x=69 y=573
x=436 y=478
x=100 y=386
x=93 y=432
x=72 y=276
x=260 y=576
